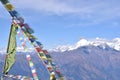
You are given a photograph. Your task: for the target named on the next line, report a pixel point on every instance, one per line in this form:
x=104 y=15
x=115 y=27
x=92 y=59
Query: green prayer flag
x=11 y=50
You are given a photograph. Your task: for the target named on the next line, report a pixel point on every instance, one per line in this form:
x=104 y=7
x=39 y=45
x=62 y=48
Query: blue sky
x=58 y=22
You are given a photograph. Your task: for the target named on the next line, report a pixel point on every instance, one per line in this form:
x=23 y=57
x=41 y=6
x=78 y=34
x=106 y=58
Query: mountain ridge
x=84 y=63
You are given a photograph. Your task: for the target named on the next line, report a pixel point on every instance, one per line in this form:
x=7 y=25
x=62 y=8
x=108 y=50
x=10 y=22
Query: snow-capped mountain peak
x=115 y=44
x=82 y=42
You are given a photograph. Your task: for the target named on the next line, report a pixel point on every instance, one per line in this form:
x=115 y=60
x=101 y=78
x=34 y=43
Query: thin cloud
x=79 y=7
x=46 y=6
x=93 y=11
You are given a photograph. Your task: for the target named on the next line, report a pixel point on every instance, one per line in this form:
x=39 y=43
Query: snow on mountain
x=115 y=44
x=19 y=49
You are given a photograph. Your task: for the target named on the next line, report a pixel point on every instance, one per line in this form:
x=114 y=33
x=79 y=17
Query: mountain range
x=97 y=59
x=115 y=44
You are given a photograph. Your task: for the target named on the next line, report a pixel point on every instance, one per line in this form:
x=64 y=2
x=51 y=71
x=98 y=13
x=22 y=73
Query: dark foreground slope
x=84 y=63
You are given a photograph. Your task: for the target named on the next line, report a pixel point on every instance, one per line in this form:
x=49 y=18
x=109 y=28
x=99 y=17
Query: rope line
x=28 y=57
